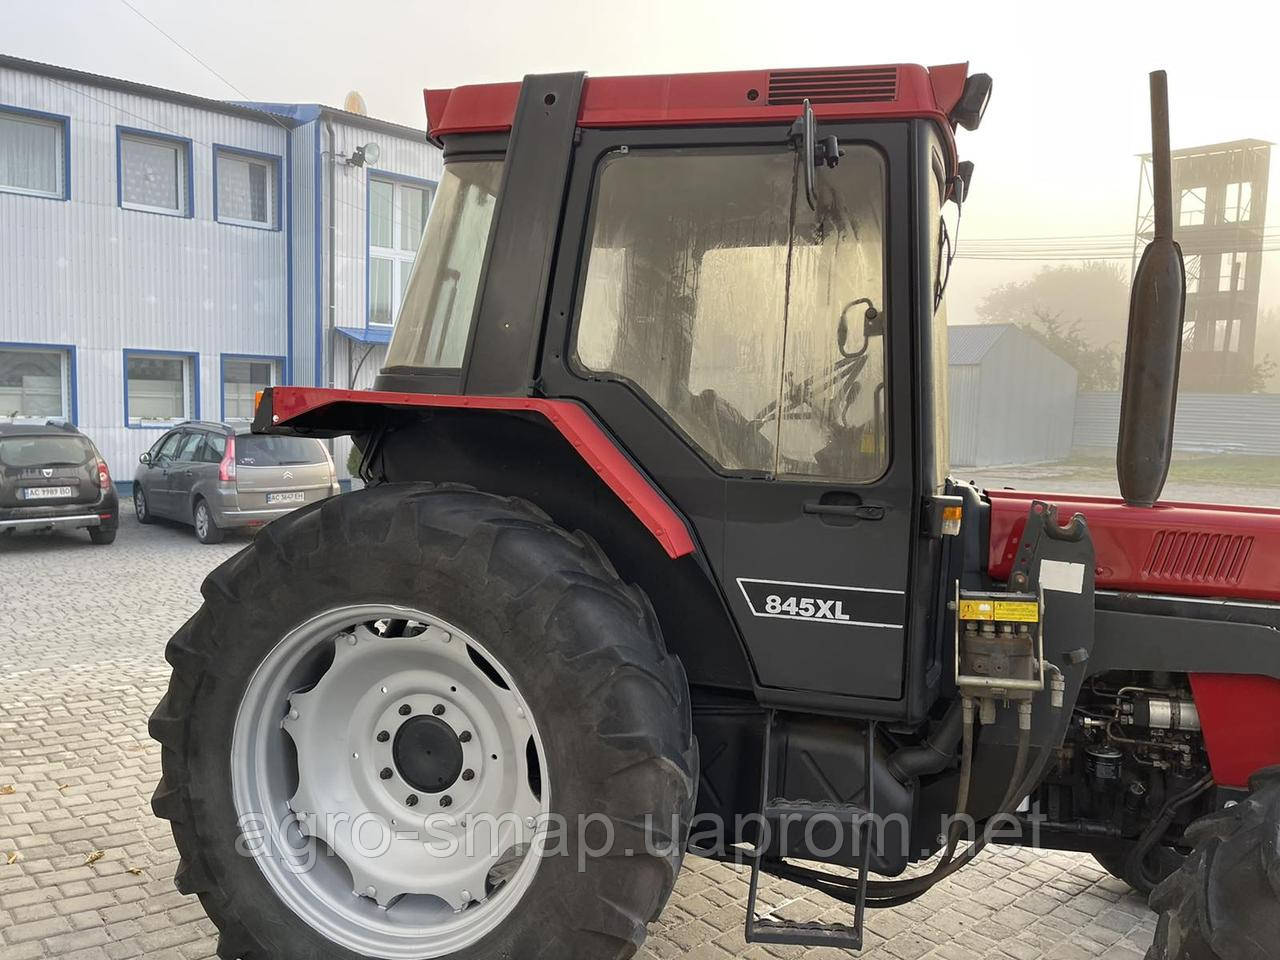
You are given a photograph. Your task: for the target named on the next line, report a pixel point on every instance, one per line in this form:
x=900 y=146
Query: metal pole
x=1161 y=162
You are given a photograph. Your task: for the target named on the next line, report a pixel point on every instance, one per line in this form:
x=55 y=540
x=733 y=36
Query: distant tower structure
x=1220 y=209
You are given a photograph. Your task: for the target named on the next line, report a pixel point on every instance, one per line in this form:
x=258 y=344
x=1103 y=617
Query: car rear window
x=42 y=451
x=267 y=451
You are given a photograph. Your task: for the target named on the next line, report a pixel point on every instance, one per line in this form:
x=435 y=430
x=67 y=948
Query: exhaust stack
x=1153 y=353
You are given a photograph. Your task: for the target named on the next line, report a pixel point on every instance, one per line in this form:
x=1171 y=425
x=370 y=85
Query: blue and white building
x=163 y=256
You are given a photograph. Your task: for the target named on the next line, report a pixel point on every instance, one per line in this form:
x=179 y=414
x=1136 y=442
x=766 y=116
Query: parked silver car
x=216 y=478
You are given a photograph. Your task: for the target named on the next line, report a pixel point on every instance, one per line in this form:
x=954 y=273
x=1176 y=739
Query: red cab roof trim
x=893 y=91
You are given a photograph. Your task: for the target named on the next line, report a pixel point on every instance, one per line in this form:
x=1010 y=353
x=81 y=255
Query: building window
x=35 y=382
x=397 y=217
x=33 y=154
x=1232 y=264
x=1191 y=207
x=1237 y=203
x=246 y=188
x=155 y=173
x=1226 y=336
x=160 y=389
x=1192 y=264
x=242 y=378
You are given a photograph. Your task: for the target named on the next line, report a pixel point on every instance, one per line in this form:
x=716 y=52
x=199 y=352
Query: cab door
x=754 y=354
x=817 y=554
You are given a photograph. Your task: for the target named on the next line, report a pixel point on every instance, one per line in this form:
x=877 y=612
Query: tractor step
x=773 y=808
x=840 y=935
x=850 y=813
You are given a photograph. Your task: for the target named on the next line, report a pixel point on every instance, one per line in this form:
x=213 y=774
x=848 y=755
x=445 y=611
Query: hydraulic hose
x=893 y=893
x=935 y=753
x=962 y=791
x=1151 y=836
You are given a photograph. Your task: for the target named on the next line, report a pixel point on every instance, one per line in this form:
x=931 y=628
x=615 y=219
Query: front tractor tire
x=443 y=655
x=1224 y=903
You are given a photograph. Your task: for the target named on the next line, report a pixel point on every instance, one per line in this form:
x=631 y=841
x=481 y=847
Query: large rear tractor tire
x=1224 y=903
x=415 y=722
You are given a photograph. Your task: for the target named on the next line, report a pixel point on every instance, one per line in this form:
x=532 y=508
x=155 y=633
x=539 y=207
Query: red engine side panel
x=1198 y=550
x=575 y=424
x=1241 y=721
x=1182 y=549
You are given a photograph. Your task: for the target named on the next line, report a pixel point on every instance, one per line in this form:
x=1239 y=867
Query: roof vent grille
x=1197 y=557
x=846 y=85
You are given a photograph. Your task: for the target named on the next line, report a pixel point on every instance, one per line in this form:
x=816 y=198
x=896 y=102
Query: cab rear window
x=41 y=451
x=265 y=451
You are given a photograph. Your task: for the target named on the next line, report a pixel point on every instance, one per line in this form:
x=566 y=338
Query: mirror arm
x=802 y=132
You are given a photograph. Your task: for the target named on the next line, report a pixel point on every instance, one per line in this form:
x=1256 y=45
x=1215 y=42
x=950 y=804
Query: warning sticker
x=977 y=610
x=1018 y=611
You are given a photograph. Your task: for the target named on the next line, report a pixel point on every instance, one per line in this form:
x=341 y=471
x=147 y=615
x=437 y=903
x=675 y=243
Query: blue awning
x=366 y=334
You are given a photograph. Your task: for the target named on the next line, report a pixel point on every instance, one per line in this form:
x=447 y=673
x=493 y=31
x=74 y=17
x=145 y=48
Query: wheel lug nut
x=446 y=801
x=439 y=709
x=383 y=736
x=405 y=710
x=411 y=800
x=468 y=774
x=386 y=773
x=465 y=736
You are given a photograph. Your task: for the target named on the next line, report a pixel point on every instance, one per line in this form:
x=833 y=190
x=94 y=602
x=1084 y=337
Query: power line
x=177 y=43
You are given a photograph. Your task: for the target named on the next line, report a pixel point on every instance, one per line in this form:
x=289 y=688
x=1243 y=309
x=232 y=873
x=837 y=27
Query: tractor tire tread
x=448 y=524
x=1220 y=905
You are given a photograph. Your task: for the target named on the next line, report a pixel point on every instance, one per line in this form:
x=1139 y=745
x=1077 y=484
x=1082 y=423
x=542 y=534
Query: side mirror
x=145 y=458
x=963 y=181
x=872 y=326
x=968 y=112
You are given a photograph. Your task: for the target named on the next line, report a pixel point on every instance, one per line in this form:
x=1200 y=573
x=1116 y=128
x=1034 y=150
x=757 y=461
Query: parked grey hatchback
x=216 y=477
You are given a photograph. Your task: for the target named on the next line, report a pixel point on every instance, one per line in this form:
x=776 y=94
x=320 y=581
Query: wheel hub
x=427 y=754
x=408 y=755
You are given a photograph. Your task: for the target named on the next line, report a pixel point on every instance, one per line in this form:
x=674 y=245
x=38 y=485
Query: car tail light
x=227 y=467
x=104 y=475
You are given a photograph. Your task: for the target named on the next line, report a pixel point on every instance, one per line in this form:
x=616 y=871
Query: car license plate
x=47 y=493
x=295 y=496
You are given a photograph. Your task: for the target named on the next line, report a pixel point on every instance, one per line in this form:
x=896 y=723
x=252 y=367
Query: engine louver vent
x=1197 y=557
x=877 y=85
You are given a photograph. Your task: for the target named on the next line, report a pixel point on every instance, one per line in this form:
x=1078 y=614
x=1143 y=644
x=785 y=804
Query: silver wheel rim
x=202 y=521
x=140 y=503
x=379 y=853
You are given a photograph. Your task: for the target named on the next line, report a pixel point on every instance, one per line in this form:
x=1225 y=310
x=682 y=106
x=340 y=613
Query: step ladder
x=846 y=936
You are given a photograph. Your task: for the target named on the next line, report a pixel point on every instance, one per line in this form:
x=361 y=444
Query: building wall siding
x=405 y=158
x=105 y=279
x=1206 y=423
x=1016 y=404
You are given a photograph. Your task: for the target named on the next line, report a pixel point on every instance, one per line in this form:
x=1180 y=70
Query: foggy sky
x=1056 y=155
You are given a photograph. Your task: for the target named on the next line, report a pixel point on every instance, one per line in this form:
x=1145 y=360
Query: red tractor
x=659 y=554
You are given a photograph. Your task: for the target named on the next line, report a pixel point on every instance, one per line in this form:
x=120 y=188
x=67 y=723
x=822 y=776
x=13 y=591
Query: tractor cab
x=737 y=274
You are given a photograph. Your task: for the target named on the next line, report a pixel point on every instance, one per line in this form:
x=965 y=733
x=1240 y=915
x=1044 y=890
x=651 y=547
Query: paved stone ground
x=82 y=630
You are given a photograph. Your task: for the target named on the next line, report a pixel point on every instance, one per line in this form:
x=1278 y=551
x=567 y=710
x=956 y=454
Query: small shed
x=1012 y=399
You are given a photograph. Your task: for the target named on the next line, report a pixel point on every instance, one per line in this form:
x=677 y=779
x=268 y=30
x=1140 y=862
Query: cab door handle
x=859 y=511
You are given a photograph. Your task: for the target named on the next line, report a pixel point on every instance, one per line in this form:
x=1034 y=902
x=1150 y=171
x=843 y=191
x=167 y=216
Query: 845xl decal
x=823 y=603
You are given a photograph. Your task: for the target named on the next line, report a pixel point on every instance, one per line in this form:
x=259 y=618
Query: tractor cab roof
x=895 y=91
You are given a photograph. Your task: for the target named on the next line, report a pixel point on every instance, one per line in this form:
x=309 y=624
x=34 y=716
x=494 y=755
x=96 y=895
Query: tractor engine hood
x=1181 y=549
